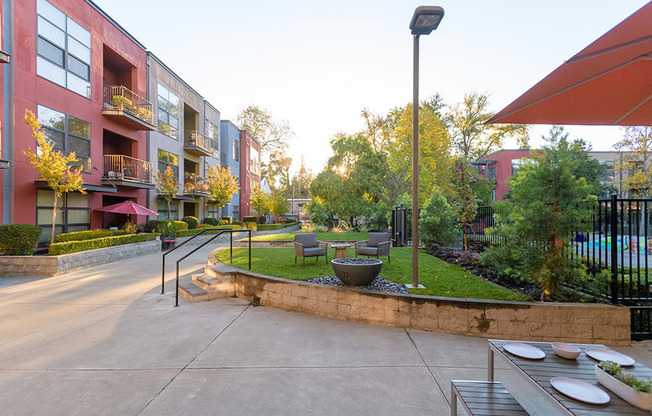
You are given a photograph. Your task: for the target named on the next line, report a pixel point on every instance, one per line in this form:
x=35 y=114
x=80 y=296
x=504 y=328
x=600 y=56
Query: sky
x=318 y=64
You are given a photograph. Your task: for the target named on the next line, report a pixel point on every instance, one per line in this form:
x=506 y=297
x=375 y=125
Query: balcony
x=5 y=58
x=123 y=170
x=195 y=185
x=196 y=143
x=131 y=109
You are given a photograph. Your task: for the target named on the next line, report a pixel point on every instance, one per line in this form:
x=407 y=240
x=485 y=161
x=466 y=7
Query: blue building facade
x=230 y=157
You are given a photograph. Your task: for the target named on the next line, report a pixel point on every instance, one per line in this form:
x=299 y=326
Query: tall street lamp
x=425 y=20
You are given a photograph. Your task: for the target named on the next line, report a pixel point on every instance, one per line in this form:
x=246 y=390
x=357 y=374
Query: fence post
x=614 y=249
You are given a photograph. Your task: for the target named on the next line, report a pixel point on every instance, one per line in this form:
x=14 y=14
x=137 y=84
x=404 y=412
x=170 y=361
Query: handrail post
x=163 y=275
x=176 y=302
x=614 y=249
x=231 y=245
x=249 y=231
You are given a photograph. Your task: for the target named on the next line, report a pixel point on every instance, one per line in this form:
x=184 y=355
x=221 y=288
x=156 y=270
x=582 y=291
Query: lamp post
x=425 y=20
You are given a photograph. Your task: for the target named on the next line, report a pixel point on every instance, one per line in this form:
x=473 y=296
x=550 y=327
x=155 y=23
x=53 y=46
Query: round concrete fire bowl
x=356 y=271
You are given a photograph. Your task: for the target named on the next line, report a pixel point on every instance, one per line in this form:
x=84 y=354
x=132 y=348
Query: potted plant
x=629 y=388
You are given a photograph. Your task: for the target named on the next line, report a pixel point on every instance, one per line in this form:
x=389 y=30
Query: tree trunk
x=54 y=217
x=169 y=211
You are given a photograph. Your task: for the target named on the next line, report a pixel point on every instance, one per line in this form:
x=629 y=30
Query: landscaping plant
x=192 y=222
x=167 y=186
x=644 y=386
x=19 y=239
x=437 y=220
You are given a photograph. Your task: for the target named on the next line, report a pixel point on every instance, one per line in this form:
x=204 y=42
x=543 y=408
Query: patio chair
x=306 y=245
x=377 y=245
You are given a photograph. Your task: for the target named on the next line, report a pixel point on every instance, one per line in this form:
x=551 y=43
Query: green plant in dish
x=613 y=369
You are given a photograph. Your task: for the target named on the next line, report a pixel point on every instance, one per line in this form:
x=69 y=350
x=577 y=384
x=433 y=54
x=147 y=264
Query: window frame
x=87 y=166
x=167 y=163
x=236 y=150
x=163 y=104
x=64 y=209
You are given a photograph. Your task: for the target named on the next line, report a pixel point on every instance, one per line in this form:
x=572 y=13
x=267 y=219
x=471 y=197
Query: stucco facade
x=230 y=157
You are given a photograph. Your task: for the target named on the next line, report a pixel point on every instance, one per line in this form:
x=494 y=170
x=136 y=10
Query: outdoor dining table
x=539 y=373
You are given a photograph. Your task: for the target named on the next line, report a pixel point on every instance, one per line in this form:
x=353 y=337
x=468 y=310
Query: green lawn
x=439 y=278
x=350 y=236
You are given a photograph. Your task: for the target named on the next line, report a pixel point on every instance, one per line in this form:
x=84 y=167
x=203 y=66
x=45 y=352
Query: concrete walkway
x=103 y=341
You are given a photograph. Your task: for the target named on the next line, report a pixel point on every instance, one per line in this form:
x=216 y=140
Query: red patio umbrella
x=607 y=83
x=127 y=207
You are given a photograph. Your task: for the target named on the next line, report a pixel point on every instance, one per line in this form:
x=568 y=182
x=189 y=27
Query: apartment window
x=68 y=133
x=162 y=207
x=608 y=171
x=516 y=164
x=213 y=211
x=73 y=213
x=254 y=163
x=168 y=112
x=236 y=150
x=492 y=173
x=214 y=135
x=63 y=50
x=166 y=159
x=236 y=213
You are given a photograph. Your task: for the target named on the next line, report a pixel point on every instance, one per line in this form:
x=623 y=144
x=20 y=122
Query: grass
x=348 y=236
x=439 y=278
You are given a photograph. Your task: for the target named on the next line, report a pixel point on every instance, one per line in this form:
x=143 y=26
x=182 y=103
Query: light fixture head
x=426 y=19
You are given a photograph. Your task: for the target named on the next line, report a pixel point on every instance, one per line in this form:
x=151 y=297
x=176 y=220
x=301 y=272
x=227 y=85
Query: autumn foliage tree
x=222 y=185
x=167 y=186
x=465 y=200
x=53 y=166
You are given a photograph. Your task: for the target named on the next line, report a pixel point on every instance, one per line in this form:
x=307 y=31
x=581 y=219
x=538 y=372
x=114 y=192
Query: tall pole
x=415 y=166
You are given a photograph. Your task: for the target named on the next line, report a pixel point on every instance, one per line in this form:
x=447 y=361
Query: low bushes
x=159 y=226
x=87 y=235
x=211 y=221
x=19 y=239
x=267 y=227
x=188 y=233
x=250 y=218
x=228 y=219
x=56 y=249
x=250 y=225
x=192 y=222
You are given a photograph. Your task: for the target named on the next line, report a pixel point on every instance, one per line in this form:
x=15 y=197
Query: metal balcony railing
x=117 y=97
x=127 y=168
x=195 y=138
x=194 y=184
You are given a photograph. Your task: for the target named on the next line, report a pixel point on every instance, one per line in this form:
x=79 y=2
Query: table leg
x=490 y=365
x=453 y=401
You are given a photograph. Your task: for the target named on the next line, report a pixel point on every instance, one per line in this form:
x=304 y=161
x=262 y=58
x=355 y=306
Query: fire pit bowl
x=356 y=271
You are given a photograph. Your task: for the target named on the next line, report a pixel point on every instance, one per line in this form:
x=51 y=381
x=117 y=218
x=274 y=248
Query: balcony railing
x=195 y=185
x=125 y=168
x=195 y=141
x=117 y=97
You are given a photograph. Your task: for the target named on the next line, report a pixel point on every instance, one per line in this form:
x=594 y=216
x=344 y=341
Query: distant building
x=250 y=174
x=230 y=157
x=298 y=207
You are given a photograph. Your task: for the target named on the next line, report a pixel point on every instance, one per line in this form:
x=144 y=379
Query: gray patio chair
x=377 y=245
x=306 y=245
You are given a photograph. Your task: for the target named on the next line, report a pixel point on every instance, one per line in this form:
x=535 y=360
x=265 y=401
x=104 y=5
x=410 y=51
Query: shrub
x=224 y=222
x=240 y=223
x=250 y=218
x=437 y=220
x=251 y=225
x=19 y=239
x=188 y=233
x=160 y=226
x=56 y=249
x=201 y=226
x=211 y=221
x=318 y=214
x=228 y=219
x=267 y=227
x=192 y=222
x=87 y=235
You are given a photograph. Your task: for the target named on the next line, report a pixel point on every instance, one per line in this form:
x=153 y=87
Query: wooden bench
x=484 y=398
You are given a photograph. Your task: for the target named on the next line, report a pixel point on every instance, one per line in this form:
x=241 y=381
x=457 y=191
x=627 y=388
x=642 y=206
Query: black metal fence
x=401 y=226
x=619 y=241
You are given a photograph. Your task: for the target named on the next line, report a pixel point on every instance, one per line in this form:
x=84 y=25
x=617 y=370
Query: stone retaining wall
x=536 y=321
x=276 y=244
x=17 y=266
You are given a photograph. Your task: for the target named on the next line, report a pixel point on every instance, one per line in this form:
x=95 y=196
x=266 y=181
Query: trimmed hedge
x=57 y=249
x=228 y=219
x=240 y=223
x=188 y=233
x=87 y=235
x=249 y=218
x=192 y=222
x=19 y=239
x=158 y=226
x=267 y=227
x=211 y=221
x=251 y=225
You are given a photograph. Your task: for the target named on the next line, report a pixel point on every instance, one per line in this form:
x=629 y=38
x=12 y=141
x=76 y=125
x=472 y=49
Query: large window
x=236 y=150
x=254 y=162
x=168 y=112
x=213 y=210
x=73 y=212
x=166 y=159
x=162 y=206
x=236 y=213
x=63 y=50
x=214 y=135
x=68 y=133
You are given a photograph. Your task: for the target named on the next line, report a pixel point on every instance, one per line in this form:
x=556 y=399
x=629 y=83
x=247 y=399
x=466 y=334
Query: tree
x=279 y=204
x=222 y=185
x=636 y=160
x=302 y=180
x=260 y=201
x=465 y=200
x=167 y=186
x=472 y=138
x=53 y=166
x=437 y=220
x=374 y=129
x=394 y=186
x=271 y=135
x=278 y=171
x=548 y=205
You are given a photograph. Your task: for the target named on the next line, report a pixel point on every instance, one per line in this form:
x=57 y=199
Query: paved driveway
x=103 y=341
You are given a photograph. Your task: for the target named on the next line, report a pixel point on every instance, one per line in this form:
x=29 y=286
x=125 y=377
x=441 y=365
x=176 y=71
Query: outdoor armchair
x=306 y=245
x=377 y=245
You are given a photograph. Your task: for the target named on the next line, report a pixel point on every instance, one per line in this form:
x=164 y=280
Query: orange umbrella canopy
x=608 y=83
x=127 y=207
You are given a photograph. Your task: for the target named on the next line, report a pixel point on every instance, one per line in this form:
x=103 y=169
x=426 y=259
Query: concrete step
x=199 y=287
x=221 y=272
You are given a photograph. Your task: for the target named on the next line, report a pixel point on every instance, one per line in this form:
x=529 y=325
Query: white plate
x=523 y=350
x=603 y=354
x=580 y=390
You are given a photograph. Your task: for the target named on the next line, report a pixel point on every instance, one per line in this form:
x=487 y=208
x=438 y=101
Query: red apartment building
x=249 y=170
x=500 y=166
x=85 y=78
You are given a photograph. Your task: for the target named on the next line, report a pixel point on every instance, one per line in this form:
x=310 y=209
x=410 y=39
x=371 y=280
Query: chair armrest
x=322 y=242
x=298 y=249
x=383 y=248
x=359 y=243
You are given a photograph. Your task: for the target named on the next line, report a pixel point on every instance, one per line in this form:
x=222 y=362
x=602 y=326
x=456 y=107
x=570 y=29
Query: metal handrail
x=222 y=231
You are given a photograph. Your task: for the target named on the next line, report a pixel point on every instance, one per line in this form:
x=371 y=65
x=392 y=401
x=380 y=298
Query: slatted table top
x=487 y=398
x=540 y=372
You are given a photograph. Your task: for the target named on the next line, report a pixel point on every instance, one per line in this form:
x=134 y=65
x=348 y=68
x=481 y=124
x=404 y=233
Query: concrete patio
x=103 y=341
